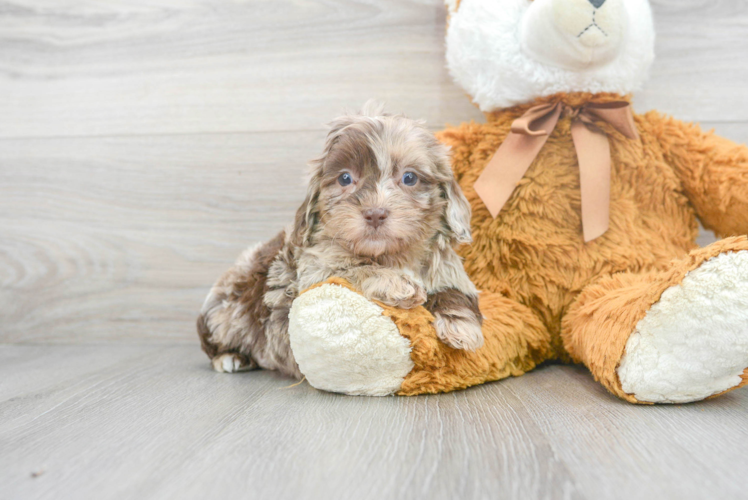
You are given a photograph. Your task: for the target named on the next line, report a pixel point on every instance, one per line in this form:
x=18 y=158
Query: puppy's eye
x=345 y=179
x=410 y=179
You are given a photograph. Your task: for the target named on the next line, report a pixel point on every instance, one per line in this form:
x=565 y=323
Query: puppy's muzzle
x=375 y=217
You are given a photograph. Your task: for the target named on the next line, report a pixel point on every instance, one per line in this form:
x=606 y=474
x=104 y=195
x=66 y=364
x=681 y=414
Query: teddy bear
x=584 y=222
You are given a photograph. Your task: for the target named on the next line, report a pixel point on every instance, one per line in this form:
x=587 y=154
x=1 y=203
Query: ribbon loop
x=536 y=121
x=617 y=114
x=529 y=134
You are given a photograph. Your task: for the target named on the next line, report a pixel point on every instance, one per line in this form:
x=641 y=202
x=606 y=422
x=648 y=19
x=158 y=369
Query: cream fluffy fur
x=343 y=343
x=693 y=343
x=495 y=49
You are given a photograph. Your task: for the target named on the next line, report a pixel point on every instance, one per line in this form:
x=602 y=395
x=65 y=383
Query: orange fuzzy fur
x=599 y=323
x=534 y=253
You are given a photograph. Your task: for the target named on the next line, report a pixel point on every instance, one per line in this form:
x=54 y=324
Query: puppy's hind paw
x=232 y=362
x=459 y=333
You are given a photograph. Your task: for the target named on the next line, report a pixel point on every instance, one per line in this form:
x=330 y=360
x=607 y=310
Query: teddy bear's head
x=509 y=52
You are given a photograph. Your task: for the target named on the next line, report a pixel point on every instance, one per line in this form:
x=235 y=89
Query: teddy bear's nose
x=597 y=3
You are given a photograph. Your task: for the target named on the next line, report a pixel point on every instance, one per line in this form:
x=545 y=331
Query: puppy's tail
x=204 y=333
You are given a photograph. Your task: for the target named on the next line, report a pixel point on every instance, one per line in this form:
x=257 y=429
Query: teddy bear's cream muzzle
x=574 y=34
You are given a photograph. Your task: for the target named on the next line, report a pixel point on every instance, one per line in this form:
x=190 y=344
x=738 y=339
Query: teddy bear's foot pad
x=343 y=343
x=693 y=343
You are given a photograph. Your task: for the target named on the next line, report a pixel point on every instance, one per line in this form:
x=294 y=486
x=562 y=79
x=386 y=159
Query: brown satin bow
x=530 y=132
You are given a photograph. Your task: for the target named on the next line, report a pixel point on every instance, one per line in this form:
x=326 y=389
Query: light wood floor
x=145 y=143
x=148 y=422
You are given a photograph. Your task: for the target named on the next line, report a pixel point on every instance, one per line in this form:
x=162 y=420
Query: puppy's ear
x=456 y=213
x=457 y=209
x=307 y=216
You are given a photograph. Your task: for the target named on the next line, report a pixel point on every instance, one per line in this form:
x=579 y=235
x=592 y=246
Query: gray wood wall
x=144 y=144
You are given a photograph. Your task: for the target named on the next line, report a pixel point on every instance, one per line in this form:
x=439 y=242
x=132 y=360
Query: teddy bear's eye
x=410 y=179
x=345 y=179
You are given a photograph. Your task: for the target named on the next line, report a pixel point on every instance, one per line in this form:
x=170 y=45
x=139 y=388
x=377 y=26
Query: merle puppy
x=382 y=211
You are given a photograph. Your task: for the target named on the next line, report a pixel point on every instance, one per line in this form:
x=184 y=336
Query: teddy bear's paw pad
x=693 y=343
x=231 y=363
x=343 y=343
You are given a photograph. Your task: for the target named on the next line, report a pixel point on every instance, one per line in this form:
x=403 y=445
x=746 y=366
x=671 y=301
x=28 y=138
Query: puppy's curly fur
x=382 y=211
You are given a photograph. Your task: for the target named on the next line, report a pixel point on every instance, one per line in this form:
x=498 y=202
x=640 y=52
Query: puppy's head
x=383 y=185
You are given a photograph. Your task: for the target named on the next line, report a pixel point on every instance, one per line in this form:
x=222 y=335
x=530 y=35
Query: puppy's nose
x=597 y=3
x=375 y=217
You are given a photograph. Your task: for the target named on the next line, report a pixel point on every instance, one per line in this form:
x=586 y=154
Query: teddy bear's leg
x=346 y=343
x=671 y=336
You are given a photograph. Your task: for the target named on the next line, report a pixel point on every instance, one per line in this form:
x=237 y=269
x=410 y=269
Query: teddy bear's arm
x=713 y=171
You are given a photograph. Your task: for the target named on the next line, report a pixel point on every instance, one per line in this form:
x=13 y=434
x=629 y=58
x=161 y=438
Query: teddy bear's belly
x=534 y=251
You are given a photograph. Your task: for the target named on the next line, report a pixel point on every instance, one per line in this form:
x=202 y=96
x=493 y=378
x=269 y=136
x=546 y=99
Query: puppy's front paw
x=232 y=362
x=459 y=333
x=406 y=293
x=397 y=291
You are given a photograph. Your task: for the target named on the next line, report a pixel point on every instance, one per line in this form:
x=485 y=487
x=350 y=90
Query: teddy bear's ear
x=452 y=5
